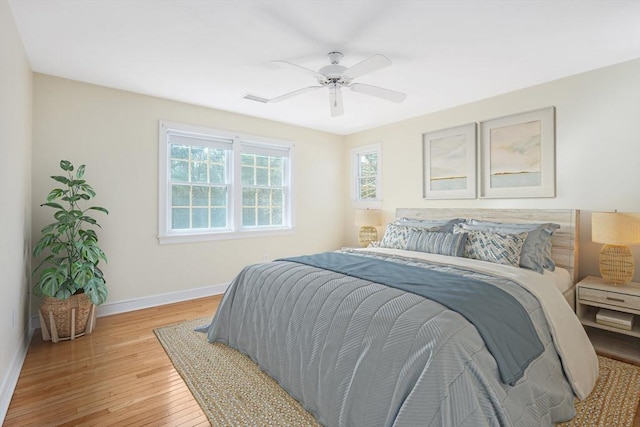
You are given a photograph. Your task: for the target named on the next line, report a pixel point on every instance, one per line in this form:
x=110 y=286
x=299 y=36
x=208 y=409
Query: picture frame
x=517 y=155
x=449 y=163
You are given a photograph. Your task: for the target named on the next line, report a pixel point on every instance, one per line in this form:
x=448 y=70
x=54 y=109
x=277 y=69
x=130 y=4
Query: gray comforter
x=358 y=353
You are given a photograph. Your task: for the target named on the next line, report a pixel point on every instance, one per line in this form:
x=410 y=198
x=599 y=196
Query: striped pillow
x=437 y=243
x=395 y=236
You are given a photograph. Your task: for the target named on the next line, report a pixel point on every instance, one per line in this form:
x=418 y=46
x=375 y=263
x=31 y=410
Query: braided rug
x=232 y=390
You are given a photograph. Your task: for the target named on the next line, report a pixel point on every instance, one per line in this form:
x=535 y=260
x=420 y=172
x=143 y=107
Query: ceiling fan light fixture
x=335 y=76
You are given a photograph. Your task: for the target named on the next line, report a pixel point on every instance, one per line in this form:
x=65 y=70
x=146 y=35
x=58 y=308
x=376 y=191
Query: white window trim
x=355 y=153
x=166 y=236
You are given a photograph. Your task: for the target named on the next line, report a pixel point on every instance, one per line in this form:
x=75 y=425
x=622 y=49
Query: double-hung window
x=217 y=184
x=366 y=182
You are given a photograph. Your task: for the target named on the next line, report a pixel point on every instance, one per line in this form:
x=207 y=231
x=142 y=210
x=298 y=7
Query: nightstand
x=593 y=294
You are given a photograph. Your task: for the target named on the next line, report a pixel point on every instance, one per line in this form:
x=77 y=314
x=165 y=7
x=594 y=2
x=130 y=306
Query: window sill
x=168 y=239
x=366 y=204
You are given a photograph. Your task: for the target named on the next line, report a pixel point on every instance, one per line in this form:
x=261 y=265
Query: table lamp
x=616 y=230
x=367 y=220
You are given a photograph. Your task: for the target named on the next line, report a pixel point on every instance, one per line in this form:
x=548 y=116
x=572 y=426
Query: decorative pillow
x=444 y=225
x=536 y=251
x=494 y=247
x=396 y=236
x=434 y=242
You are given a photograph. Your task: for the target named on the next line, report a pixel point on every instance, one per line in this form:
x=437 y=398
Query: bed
x=390 y=336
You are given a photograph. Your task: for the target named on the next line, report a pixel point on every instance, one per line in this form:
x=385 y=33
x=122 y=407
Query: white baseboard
x=10 y=380
x=108 y=309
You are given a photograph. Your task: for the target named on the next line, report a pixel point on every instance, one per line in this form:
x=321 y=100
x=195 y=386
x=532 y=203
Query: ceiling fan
x=335 y=77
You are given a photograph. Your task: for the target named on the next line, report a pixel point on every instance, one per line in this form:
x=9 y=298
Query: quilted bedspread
x=359 y=353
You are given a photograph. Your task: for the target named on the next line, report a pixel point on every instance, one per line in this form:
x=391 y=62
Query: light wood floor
x=118 y=375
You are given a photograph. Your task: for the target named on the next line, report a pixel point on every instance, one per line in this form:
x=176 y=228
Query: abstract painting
x=517 y=155
x=449 y=163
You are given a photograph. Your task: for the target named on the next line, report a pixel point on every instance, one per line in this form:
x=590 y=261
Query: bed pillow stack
x=524 y=245
x=536 y=249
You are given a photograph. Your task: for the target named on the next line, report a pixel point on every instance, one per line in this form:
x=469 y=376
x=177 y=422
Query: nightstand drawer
x=610 y=298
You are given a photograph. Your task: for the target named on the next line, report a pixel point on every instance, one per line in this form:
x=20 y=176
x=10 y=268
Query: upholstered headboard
x=565 y=240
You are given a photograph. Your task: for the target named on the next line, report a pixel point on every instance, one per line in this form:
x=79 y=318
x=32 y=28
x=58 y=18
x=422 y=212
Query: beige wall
x=597 y=150
x=115 y=133
x=15 y=202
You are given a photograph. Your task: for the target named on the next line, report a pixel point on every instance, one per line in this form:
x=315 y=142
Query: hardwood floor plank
x=118 y=375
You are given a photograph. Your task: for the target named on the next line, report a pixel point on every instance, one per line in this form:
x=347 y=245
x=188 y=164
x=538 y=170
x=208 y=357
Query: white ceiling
x=211 y=53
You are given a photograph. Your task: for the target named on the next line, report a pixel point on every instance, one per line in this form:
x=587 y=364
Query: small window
x=366 y=176
x=214 y=184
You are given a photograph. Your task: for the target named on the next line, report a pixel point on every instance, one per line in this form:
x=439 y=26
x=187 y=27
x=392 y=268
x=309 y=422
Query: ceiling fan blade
x=367 y=66
x=315 y=74
x=294 y=93
x=389 y=95
x=335 y=100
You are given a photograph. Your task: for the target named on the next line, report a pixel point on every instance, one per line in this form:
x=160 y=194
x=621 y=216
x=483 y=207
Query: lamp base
x=616 y=264
x=367 y=235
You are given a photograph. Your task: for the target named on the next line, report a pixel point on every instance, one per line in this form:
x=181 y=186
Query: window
x=217 y=184
x=366 y=188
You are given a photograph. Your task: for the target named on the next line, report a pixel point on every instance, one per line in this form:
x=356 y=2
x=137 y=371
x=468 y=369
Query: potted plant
x=70 y=280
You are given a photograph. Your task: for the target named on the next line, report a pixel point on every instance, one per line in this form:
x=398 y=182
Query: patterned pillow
x=494 y=247
x=396 y=236
x=536 y=251
x=437 y=243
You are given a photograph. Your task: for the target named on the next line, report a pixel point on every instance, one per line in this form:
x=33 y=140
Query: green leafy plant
x=70 y=242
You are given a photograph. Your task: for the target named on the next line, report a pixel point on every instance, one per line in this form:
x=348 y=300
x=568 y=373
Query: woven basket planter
x=67 y=319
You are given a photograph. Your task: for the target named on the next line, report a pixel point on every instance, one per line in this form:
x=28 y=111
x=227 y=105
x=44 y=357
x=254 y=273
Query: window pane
x=262 y=176
x=199 y=218
x=276 y=177
x=198 y=172
x=200 y=196
x=180 y=195
x=276 y=216
x=276 y=162
x=248 y=217
x=218 y=217
x=264 y=197
x=262 y=161
x=217 y=156
x=264 y=216
x=179 y=152
x=199 y=154
x=369 y=164
x=179 y=171
x=179 y=218
x=248 y=177
x=247 y=159
x=219 y=196
x=367 y=188
x=249 y=196
x=217 y=173
x=277 y=198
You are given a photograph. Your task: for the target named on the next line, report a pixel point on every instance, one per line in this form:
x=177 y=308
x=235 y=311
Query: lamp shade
x=615 y=228
x=367 y=217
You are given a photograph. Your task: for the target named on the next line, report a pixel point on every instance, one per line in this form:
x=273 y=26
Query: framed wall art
x=449 y=163
x=517 y=155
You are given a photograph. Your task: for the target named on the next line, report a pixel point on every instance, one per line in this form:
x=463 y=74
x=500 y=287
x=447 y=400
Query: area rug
x=232 y=390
